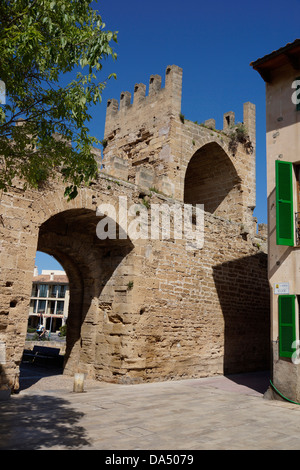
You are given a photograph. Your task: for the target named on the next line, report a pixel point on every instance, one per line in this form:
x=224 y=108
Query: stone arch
x=212 y=179
x=90 y=264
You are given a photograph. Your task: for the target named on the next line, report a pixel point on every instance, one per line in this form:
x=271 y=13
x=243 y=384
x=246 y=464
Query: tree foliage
x=43 y=123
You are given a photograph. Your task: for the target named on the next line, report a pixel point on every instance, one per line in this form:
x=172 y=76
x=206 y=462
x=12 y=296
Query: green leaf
x=40 y=43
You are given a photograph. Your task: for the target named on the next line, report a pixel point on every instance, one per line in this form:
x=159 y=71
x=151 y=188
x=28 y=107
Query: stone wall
x=145 y=309
x=198 y=312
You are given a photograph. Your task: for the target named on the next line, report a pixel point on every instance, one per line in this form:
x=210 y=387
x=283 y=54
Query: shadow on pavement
x=32 y=373
x=40 y=422
x=258 y=381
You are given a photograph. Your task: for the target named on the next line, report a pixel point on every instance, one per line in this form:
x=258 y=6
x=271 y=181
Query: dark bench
x=42 y=354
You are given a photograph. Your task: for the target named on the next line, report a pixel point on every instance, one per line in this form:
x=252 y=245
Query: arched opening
x=211 y=179
x=89 y=263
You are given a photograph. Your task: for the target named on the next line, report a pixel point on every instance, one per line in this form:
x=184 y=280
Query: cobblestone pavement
x=201 y=414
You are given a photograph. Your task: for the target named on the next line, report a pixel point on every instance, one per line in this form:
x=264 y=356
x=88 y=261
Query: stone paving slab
x=217 y=413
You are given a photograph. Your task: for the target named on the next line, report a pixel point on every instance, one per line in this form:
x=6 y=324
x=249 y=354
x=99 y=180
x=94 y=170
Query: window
x=43 y=290
x=58 y=291
x=41 y=306
x=284 y=203
x=60 y=308
x=34 y=292
x=53 y=291
x=33 y=306
x=51 y=307
x=62 y=291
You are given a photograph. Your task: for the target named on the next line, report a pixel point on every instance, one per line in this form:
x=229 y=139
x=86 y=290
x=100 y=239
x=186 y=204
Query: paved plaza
x=219 y=413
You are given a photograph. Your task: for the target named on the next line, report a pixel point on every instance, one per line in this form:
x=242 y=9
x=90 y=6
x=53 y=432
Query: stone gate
x=144 y=307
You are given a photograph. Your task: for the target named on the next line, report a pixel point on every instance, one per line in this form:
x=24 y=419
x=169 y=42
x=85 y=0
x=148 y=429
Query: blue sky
x=214 y=43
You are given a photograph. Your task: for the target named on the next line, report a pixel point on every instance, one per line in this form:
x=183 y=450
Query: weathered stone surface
x=146 y=309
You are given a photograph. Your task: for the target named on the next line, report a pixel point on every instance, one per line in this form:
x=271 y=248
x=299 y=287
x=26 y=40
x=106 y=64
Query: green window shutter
x=284 y=203
x=287 y=324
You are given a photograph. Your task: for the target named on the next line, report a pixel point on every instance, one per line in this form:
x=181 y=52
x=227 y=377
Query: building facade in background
x=49 y=301
x=281 y=73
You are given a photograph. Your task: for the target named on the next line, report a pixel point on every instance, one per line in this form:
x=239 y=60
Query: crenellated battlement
x=166 y=100
x=229 y=121
x=148 y=143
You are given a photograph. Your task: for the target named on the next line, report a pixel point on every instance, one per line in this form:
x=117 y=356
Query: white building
x=49 y=301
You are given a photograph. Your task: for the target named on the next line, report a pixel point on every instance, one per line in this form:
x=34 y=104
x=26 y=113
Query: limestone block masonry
x=146 y=309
